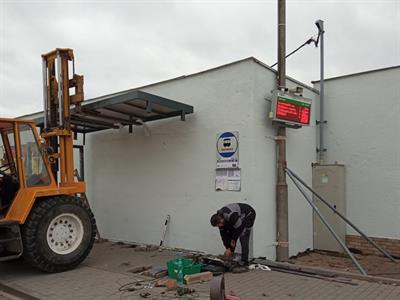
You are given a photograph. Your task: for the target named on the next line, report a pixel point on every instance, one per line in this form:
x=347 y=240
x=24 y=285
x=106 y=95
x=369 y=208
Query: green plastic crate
x=183 y=266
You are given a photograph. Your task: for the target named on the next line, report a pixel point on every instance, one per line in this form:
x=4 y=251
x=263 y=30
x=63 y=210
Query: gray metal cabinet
x=329 y=182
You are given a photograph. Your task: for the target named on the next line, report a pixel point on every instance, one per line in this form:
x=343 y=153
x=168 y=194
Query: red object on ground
x=229 y=297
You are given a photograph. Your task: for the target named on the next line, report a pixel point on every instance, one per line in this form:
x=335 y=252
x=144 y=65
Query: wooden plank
x=139 y=269
x=198 y=278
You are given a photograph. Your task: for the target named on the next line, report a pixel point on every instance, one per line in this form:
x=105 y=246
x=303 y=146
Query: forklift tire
x=58 y=234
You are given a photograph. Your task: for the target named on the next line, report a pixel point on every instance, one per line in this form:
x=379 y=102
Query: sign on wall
x=228 y=180
x=228 y=150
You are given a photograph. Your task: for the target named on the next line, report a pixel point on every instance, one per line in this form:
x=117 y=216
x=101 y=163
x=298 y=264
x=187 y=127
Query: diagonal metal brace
x=329 y=227
x=379 y=248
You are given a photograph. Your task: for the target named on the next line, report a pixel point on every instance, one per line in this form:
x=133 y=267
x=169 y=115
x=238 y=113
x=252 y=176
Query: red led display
x=293 y=111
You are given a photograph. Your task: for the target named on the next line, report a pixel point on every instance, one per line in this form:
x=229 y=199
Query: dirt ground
x=373 y=265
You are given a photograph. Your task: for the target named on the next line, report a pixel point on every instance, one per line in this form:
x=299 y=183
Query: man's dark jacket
x=238 y=217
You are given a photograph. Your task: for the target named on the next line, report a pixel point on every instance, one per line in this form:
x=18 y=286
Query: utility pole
x=282 y=224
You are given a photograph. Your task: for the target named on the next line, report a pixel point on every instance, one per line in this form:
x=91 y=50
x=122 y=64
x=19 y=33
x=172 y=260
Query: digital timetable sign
x=291 y=109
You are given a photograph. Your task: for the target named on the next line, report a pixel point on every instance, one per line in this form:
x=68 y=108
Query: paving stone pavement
x=106 y=270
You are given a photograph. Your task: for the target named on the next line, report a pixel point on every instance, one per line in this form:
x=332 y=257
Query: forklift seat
x=9 y=188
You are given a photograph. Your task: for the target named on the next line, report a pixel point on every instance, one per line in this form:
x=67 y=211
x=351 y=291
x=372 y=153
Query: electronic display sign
x=291 y=109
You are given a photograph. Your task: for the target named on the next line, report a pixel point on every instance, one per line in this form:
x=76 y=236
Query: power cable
x=309 y=41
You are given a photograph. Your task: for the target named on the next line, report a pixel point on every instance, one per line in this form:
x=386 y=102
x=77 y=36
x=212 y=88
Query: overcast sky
x=125 y=44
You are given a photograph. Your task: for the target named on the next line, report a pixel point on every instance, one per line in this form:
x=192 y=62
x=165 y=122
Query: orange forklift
x=44 y=213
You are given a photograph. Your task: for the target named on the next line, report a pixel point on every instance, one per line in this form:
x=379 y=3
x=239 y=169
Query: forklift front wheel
x=58 y=234
x=65 y=233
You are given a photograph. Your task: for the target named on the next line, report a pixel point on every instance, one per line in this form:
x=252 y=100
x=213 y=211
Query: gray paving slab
x=107 y=269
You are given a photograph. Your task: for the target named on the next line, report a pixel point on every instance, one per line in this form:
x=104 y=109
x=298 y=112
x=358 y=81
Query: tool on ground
x=181 y=290
x=218 y=265
x=166 y=225
x=156 y=272
x=139 y=269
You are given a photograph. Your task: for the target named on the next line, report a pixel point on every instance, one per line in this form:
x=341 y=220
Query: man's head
x=217 y=221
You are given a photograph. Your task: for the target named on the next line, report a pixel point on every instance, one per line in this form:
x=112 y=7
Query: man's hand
x=233 y=244
x=228 y=252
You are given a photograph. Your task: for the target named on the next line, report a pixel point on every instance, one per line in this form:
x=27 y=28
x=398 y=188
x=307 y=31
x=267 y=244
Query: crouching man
x=235 y=221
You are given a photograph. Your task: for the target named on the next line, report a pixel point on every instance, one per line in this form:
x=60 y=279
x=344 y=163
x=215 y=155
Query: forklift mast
x=56 y=130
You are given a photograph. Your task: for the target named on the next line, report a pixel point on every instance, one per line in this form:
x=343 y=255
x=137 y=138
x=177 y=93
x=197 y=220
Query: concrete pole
x=282 y=226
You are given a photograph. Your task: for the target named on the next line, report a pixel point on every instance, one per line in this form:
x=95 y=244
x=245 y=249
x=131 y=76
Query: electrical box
x=290 y=109
x=329 y=182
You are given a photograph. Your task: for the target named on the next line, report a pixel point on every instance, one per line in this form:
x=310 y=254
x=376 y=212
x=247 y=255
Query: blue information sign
x=228 y=149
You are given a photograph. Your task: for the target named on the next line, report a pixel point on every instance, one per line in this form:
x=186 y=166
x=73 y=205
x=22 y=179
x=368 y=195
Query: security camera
x=320 y=25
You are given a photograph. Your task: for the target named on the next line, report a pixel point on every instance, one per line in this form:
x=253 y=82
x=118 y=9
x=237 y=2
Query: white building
x=136 y=179
x=362 y=133
x=168 y=167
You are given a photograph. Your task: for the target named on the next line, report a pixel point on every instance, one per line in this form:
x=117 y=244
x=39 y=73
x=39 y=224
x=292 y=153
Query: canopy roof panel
x=133 y=107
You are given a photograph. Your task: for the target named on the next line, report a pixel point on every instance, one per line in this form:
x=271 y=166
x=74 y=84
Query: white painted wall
x=363 y=134
x=135 y=180
x=301 y=145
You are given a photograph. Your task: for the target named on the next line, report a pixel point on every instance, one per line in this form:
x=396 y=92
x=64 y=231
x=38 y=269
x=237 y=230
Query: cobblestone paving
x=106 y=270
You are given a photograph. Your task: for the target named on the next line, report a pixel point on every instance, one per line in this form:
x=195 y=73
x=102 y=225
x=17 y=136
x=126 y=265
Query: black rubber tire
x=36 y=249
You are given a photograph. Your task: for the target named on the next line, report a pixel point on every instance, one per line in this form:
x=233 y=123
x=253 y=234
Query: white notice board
x=228 y=180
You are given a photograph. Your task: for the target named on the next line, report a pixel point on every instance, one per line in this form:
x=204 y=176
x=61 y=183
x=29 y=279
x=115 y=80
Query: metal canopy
x=127 y=108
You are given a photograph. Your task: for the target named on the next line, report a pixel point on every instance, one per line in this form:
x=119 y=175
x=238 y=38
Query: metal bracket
x=319 y=122
x=294 y=126
x=276 y=138
x=323 y=150
x=282 y=244
x=148 y=107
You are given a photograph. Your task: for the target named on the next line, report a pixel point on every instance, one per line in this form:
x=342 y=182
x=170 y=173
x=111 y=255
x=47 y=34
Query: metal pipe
x=315 y=208
x=81 y=162
x=321 y=150
x=281 y=44
x=383 y=251
x=60 y=91
x=282 y=224
x=45 y=101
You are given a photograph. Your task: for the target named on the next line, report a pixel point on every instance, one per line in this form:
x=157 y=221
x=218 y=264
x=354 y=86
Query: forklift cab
x=21 y=161
x=58 y=224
